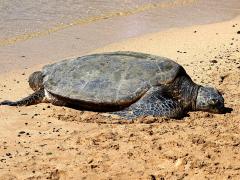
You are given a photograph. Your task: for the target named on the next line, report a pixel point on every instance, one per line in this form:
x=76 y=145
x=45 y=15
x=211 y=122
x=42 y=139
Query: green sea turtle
x=129 y=84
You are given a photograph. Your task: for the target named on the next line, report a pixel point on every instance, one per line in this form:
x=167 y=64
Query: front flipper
x=35 y=98
x=155 y=102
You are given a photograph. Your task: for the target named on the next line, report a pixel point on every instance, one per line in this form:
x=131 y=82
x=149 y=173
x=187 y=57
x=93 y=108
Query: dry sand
x=45 y=141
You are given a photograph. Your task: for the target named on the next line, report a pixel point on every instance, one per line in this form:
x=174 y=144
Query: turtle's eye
x=212 y=101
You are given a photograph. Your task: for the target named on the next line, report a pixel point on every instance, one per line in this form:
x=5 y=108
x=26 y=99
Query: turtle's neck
x=185 y=90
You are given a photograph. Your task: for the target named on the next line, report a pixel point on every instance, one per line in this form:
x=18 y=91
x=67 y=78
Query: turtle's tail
x=35 y=98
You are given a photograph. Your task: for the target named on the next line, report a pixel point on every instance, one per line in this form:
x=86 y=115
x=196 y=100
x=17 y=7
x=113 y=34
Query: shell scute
x=117 y=78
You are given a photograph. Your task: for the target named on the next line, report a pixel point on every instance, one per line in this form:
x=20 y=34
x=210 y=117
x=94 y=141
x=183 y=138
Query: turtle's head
x=36 y=80
x=209 y=99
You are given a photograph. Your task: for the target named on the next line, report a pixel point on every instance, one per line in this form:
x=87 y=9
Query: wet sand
x=45 y=141
x=56 y=37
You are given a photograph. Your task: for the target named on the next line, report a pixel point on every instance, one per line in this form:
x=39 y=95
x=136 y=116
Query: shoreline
x=80 y=40
x=39 y=65
x=105 y=16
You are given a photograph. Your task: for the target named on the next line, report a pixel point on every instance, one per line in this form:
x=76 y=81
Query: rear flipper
x=35 y=98
x=155 y=102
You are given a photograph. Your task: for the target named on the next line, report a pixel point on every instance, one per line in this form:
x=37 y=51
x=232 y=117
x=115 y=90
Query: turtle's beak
x=217 y=107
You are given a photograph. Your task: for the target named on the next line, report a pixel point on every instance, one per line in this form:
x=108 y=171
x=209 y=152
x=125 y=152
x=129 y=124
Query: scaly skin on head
x=195 y=97
x=209 y=99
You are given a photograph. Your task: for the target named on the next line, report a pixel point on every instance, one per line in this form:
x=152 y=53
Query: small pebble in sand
x=238 y=32
x=178 y=163
x=8 y=154
x=152 y=177
x=93 y=166
x=222 y=78
x=213 y=61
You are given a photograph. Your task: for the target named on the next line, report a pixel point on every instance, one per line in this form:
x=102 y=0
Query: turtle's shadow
x=227 y=110
x=185 y=114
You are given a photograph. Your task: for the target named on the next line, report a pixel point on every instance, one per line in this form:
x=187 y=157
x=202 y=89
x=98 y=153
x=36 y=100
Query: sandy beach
x=49 y=142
